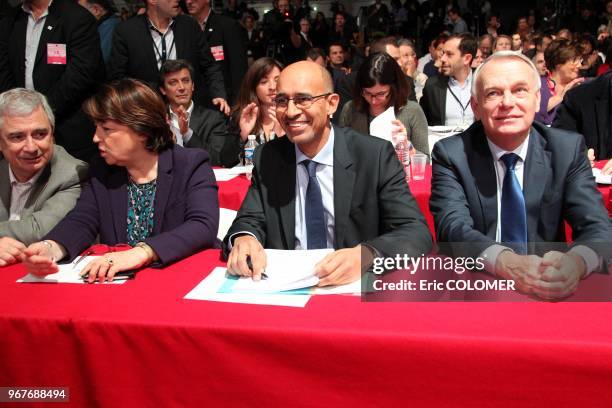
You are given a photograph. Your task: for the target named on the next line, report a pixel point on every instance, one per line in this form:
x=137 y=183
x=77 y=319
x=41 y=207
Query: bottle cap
x=251 y=137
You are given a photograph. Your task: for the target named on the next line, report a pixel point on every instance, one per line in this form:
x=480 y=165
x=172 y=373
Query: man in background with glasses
x=323 y=187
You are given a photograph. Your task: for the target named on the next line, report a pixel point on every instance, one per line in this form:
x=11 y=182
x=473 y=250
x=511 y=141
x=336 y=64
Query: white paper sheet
x=381 y=125
x=228 y=174
x=208 y=289
x=68 y=273
x=601 y=178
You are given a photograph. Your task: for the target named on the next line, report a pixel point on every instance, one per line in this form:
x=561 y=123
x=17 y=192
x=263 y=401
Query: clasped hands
x=40 y=260
x=552 y=277
x=338 y=268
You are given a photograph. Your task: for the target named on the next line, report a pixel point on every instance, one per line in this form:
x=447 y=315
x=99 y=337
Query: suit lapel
x=442 y=99
x=163 y=187
x=48 y=35
x=148 y=49
x=117 y=191
x=285 y=190
x=602 y=111
x=38 y=188
x=5 y=191
x=344 y=180
x=179 y=39
x=482 y=168
x=535 y=177
x=18 y=45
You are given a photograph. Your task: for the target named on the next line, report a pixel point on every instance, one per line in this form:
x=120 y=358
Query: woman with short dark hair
x=380 y=84
x=144 y=191
x=563 y=63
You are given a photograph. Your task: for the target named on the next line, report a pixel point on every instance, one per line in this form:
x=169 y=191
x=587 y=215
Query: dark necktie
x=315 y=216
x=513 y=214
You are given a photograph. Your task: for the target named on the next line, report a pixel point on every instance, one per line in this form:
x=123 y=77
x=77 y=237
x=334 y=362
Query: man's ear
x=474 y=104
x=161 y=89
x=332 y=103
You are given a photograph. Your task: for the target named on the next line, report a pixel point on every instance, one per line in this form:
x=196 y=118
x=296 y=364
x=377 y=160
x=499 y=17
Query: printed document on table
x=209 y=289
x=68 y=273
x=381 y=125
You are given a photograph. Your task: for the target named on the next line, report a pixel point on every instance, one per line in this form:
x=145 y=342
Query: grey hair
x=506 y=54
x=22 y=102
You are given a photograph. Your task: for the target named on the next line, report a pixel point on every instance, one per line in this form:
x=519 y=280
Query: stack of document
x=228 y=174
x=290 y=281
x=601 y=178
x=68 y=273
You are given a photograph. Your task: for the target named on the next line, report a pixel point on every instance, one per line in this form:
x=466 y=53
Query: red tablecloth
x=142 y=345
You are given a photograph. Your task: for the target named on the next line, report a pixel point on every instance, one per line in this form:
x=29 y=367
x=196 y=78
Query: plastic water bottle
x=402 y=150
x=249 y=149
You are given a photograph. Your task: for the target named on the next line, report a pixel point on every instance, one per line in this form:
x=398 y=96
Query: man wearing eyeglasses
x=502 y=189
x=323 y=187
x=143 y=43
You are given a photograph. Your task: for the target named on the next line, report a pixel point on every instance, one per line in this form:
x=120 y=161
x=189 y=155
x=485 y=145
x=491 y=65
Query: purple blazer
x=186 y=207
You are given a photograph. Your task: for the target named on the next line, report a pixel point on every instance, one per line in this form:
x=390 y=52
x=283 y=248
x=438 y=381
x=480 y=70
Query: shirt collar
x=189 y=110
x=157 y=30
x=26 y=7
x=30 y=182
x=468 y=81
x=325 y=156
x=498 y=152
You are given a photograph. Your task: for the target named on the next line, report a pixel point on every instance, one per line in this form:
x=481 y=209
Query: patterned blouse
x=141 y=211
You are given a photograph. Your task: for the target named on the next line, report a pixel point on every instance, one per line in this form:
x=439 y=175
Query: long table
x=141 y=344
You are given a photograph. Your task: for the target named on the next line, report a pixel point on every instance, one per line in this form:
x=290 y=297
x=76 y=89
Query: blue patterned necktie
x=315 y=216
x=513 y=214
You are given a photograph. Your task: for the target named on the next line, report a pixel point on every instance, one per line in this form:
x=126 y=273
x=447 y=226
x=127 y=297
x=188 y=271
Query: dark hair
x=468 y=44
x=172 y=66
x=314 y=53
x=248 y=89
x=381 y=69
x=380 y=45
x=440 y=39
x=105 y=4
x=136 y=105
x=559 y=52
x=336 y=44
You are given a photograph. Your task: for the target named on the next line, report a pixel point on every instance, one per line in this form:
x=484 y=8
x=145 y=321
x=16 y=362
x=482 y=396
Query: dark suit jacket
x=372 y=203
x=557 y=184
x=65 y=85
x=433 y=100
x=133 y=56
x=210 y=132
x=228 y=33
x=186 y=207
x=586 y=109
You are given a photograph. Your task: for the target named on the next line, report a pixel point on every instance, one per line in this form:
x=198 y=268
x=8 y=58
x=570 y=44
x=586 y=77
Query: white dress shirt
x=325 y=177
x=167 y=37
x=490 y=254
x=20 y=192
x=181 y=139
x=458 y=109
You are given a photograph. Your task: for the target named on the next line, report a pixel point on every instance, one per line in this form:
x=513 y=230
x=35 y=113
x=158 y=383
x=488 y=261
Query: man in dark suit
x=446 y=99
x=194 y=125
x=227 y=40
x=60 y=58
x=502 y=189
x=141 y=44
x=586 y=110
x=324 y=187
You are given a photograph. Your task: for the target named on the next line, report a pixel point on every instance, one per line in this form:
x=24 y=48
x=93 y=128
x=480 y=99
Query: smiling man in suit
x=324 y=187
x=39 y=182
x=143 y=43
x=54 y=48
x=502 y=189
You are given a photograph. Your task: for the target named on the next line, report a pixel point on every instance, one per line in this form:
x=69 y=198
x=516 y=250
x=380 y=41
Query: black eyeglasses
x=301 y=101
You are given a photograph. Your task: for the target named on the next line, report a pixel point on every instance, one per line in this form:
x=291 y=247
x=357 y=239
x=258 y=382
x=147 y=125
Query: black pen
x=120 y=276
x=250 y=265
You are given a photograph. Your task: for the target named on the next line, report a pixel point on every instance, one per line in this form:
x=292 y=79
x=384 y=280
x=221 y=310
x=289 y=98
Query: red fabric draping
x=141 y=344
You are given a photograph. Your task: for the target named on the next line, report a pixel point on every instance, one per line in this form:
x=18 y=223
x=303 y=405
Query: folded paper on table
x=601 y=178
x=68 y=273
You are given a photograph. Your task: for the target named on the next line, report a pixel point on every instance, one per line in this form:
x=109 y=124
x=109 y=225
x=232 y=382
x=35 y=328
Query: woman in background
x=254 y=112
x=380 y=84
x=144 y=191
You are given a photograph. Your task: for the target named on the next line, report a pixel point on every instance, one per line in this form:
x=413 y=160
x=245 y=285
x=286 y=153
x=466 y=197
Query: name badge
x=217 y=53
x=56 y=54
